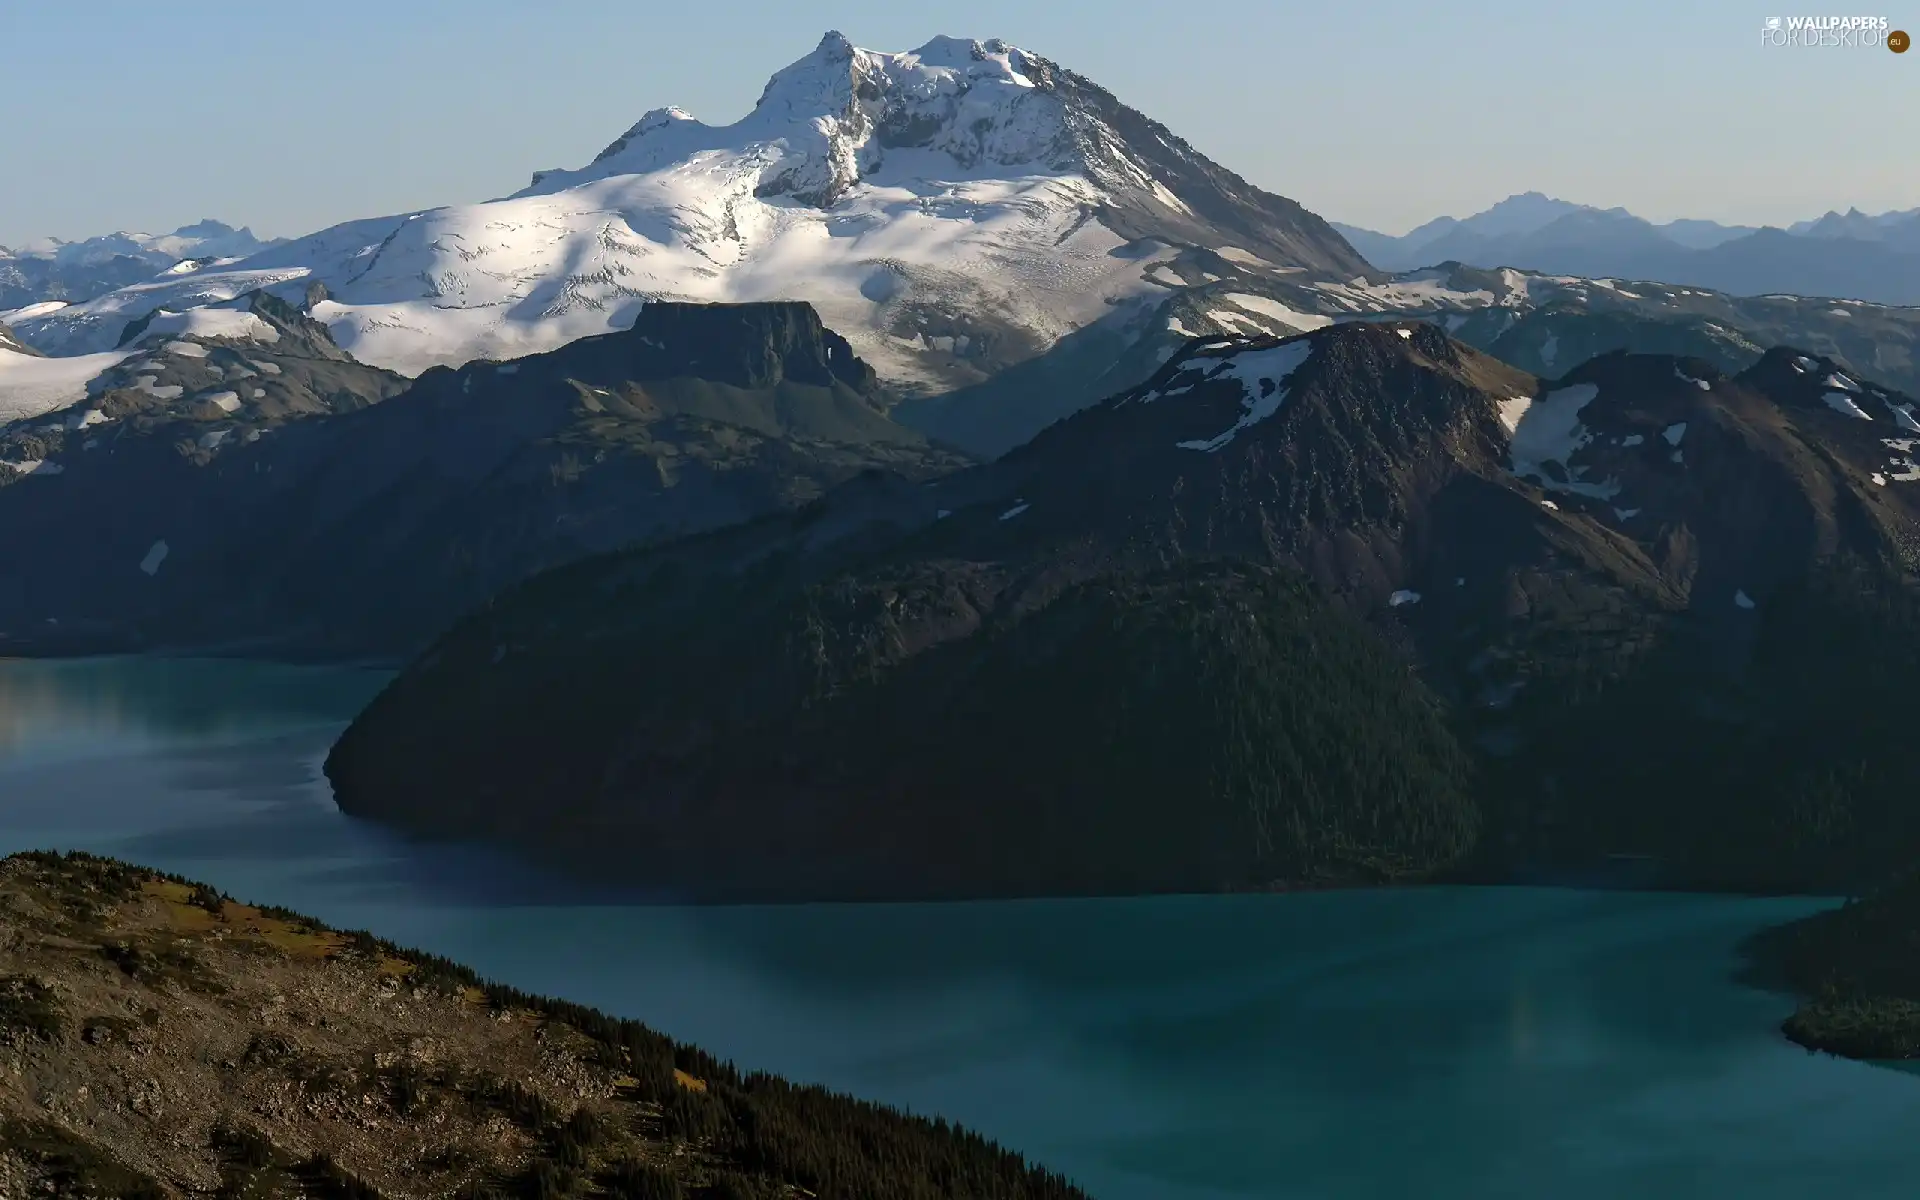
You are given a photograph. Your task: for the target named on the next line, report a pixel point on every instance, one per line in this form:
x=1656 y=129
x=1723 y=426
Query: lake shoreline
x=1122 y=1042
x=1618 y=874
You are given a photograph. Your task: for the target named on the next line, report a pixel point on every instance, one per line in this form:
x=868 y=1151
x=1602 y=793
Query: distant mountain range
x=52 y=270
x=1849 y=254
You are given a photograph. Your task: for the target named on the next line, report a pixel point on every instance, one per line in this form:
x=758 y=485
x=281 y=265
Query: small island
x=160 y=1039
x=1858 y=967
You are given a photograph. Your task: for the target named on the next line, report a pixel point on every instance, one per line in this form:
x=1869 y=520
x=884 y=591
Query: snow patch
x=1549 y=432
x=1294 y=318
x=38 y=466
x=1837 y=380
x=233 y=324
x=1019 y=506
x=1904 y=470
x=156 y=554
x=1842 y=403
x=1403 y=596
x=1702 y=384
x=225 y=401
x=1674 y=432
x=1262 y=376
x=1903 y=417
x=31 y=386
x=1235 y=321
x=1513 y=410
x=186 y=349
x=17 y=316
x=1245 y=258
x=1742 y=599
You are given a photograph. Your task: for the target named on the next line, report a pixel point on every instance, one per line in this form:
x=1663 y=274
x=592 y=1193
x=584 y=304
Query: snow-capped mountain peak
x=830 y=119
x=951 y=210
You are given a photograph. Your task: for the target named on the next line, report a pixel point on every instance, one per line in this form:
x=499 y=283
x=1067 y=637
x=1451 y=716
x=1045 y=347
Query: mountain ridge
x=1374 y=520
x=1850 y=255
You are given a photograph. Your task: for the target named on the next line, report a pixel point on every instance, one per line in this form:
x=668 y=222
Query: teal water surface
x=1438 y=1044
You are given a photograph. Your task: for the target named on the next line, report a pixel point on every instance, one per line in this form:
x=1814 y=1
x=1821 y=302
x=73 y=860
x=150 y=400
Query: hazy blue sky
x=135 y=114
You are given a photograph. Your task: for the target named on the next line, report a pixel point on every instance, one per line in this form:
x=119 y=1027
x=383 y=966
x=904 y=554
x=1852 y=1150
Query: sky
x=127 y=114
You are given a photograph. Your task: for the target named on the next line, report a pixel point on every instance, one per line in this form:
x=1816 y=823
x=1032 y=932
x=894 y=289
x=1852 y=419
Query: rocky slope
x=184 y=511
x=162 y=1040
x=1166 y=645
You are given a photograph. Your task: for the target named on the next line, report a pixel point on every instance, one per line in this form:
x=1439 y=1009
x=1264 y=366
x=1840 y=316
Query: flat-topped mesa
x=746 y=345
x=756 y=347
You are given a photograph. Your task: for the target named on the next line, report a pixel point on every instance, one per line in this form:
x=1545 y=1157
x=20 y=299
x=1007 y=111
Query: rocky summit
x=1373 y=588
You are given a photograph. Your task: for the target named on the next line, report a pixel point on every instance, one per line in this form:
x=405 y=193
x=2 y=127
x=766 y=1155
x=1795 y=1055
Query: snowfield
x=30 y=386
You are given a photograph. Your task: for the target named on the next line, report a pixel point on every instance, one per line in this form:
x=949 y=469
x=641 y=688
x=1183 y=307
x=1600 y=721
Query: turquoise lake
x=1432 y=1044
